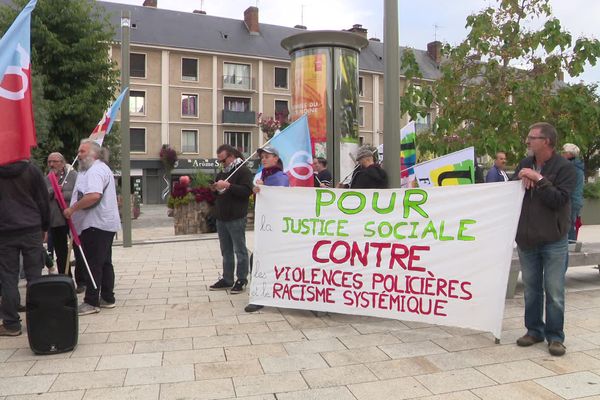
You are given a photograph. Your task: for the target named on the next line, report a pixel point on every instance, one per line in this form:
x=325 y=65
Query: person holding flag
x=271 y=175
x=95 y=215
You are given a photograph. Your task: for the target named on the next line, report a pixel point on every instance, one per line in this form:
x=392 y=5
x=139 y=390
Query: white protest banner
x=439 y=255
x=456 y=168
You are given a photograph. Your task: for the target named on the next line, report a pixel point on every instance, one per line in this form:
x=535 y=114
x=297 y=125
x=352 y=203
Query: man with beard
x=24 y=217
x=59 y=230
x=95 y=214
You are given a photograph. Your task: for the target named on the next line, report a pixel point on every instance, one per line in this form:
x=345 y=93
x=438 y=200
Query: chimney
x=251 y=20
x=151 y=3
x=201 y=12
x=300 y=27
x=434 y=49
x=357 y=28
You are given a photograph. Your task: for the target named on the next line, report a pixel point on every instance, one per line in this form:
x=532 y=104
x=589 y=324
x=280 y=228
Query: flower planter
x=192 y=218
x=590 y=213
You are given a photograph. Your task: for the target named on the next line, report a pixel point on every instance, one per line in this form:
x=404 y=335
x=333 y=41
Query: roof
x=184 y=30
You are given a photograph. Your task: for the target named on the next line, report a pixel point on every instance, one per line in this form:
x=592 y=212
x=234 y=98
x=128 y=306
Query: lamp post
x=391 y=99
x=125 y=140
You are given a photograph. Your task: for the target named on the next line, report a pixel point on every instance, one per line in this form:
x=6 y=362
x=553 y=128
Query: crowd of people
x=548 y=218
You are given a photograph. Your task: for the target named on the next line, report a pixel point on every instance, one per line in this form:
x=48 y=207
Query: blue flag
x=294 y=147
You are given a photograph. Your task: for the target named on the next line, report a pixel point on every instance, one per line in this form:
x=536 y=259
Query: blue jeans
x=232 y=239
x=543 y=271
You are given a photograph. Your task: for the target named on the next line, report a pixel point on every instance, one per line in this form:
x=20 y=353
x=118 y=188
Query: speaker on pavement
x=52 y=322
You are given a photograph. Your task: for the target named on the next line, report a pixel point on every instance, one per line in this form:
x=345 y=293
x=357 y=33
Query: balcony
x=239 y=117
x=237 y=82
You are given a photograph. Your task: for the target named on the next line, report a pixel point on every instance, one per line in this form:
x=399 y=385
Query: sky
x=420 y=21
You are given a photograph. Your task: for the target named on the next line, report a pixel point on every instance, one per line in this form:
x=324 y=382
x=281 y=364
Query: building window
x=189 y=69
x=137 y=140
x=189 y=141
x=282 y=110
x=137 y=65
x=236 y=76
x=361 y=86
x=137 y=102
x=361 y=116
x=281 y=78
x=189 y=105
x=239 y=140
x=237 y=104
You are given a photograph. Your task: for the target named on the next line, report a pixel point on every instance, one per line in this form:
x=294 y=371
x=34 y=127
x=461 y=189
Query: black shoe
x=221 y=284
x=239 y=286
x=252 y=307
x=80 y=289
x=21 y=308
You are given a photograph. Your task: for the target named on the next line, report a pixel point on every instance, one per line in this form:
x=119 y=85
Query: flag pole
x=264 y=144
x=62 y=205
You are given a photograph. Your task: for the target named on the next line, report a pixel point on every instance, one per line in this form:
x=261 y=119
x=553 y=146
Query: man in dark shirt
x=24 y=220
x=368 y=174
x=233 y=187
x=549 y=180
x=322 y=175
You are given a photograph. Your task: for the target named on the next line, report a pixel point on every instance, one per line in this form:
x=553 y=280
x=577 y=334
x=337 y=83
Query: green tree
x=70 y=42
x=502 y=77
x=575 y=111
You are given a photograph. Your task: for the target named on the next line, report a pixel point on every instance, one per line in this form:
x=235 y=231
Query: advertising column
x=325 y=86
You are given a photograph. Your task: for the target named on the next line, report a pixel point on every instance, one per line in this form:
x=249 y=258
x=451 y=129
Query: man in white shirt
x=95 y=214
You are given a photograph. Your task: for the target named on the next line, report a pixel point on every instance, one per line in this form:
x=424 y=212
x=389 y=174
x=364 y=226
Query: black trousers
x=97 y=246
x=60 y=238
x=30 y=246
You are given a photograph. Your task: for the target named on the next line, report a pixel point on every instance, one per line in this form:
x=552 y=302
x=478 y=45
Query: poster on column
x=439 y=255
x=309 y=94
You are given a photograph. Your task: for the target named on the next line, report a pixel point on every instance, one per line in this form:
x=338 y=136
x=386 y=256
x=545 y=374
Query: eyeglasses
x=535 y=137
x=54 y=161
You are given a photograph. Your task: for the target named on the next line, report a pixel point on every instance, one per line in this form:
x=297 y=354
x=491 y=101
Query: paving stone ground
x=171 y=338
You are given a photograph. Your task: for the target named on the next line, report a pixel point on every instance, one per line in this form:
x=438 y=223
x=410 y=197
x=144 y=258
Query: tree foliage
x=503 y=77
x=74 y=77
x=575 y=111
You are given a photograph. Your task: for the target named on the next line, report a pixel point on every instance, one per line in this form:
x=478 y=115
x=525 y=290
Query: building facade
x=198 y=81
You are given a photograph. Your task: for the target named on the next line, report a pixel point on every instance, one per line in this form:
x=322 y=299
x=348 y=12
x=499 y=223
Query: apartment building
x=198 y=81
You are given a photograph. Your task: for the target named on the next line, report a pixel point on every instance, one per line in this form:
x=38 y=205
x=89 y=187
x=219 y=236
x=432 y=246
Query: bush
x=592 y=190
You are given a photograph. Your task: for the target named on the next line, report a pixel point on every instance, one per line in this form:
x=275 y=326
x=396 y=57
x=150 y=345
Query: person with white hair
x=571 y=153
x=95 y=214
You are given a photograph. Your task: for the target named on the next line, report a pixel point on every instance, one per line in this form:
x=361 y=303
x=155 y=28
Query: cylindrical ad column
x=325 y=86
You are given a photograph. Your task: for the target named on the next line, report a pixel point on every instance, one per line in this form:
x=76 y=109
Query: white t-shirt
x=105 y=215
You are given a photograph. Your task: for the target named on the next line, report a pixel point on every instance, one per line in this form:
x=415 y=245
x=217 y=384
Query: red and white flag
x=17 y=129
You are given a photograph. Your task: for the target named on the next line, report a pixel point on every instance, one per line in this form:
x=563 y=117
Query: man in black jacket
x=367 y=174
x=549 y=180
x=233 y=187
x=24 y=219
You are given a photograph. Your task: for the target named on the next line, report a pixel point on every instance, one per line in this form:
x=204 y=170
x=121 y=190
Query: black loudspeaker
x=52 y=322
